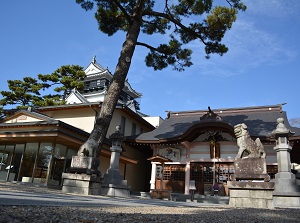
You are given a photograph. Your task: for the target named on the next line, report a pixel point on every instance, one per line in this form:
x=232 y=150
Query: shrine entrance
x=173 y=178
x=205 y=173
x=202 y=173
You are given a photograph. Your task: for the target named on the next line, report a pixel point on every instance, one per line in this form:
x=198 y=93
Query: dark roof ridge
x=277 y=107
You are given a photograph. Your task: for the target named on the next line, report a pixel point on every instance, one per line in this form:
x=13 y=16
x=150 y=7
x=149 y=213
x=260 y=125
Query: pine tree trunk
x=98 y=134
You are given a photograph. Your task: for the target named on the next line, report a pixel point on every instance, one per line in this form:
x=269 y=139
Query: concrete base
x=286 y=193
x=81 y=184
x=251 y=194
x=284 y=200
x=286 y=182
x=115 y=190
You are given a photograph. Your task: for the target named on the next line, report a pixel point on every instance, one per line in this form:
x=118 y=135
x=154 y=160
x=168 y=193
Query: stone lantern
x=286 y=193
x=116 y=138
x=113 y=173
x=113 y=183
x=282 y=134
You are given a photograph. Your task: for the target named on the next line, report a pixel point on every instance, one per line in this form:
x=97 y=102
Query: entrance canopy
x=159 y=159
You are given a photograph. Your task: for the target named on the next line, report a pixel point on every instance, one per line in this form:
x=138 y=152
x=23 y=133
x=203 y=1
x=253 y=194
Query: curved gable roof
x=261 y=121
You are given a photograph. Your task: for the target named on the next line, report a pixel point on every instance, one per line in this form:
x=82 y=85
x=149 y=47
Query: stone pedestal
x=83 y=177
x=286 y=199
x=286 y=193
x=81 y=184
x=115 y=190
x=250 y=187
x=84 y=164
x=113 y=183
x=251 y=194
x=112 y=176
x=251 y=168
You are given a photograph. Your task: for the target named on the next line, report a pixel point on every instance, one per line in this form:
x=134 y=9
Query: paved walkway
x=20 y=194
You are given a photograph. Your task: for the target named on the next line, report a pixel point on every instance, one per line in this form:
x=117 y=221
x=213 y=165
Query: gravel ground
x=36 y=214
x=32 y=214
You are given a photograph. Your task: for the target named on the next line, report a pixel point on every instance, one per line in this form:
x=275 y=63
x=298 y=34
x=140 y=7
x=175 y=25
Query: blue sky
x=261 y=67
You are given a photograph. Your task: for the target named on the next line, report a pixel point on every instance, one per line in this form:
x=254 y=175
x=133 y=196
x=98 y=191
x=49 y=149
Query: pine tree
x=63 y=79
x=183 y=20
x=22 y=93
x=27 y=93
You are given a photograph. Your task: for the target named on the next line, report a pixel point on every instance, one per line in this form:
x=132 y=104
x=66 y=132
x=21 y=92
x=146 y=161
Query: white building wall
x=154 y=120
x=95 y=98
x=72 y=99
x=82 y=118
x=200 y=151
x=116 y=120
x=229 y=150
x=183 y=155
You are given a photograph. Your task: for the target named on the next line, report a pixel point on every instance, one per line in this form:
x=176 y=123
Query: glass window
x=3 y=160
x=123 y=125
x=133 y=129
x=28 y=162
x=60 y=151
x=58 y=164
x=42 y=163
x=16 y=162
x=224 y=172
x=93 y=84
x=4 y=163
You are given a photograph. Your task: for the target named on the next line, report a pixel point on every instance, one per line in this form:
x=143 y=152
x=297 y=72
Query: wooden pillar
x=153 y=176
x=187 y=177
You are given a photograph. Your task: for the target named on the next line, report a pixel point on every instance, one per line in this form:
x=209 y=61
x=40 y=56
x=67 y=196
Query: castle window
x=123 y=124
x=133 y=129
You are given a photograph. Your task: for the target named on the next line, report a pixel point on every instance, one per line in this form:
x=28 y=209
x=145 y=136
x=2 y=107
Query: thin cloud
x=249 y=47
x=273 y=8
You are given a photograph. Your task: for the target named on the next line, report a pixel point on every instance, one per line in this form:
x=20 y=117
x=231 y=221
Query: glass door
x=43 y=159
x=28 y=162
x=4 y=163
x=10 y=159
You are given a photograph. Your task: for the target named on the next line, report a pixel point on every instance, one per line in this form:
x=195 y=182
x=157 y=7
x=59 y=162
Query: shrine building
x=201 y=146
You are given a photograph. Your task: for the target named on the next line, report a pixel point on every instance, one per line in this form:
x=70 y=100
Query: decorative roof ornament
x=94 y=59
x=210 y=115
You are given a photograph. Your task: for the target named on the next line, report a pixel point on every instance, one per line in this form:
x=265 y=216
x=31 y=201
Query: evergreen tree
x=63 y=79
x=183 y=20
x=22 y=93
x=26 y=93
x=2 y=115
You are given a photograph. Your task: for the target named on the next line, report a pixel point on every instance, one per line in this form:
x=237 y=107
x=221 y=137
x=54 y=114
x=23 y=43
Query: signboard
x=170 y=153
x=159 y=172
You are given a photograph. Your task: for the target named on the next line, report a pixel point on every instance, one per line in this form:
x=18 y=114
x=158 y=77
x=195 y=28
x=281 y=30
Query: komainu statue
x=247 y=147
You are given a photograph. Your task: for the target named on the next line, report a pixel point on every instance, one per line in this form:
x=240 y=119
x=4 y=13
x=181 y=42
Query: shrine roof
x=260 y=120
